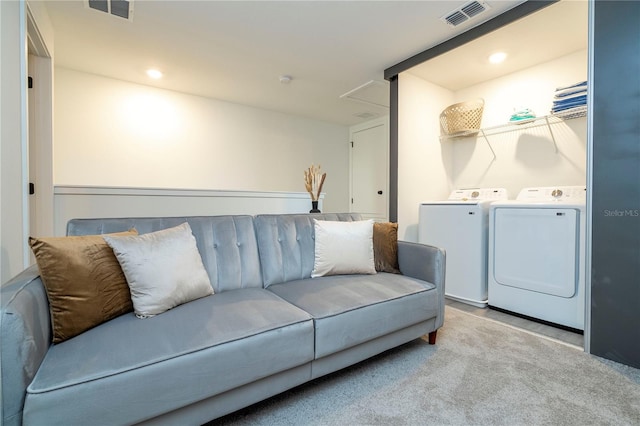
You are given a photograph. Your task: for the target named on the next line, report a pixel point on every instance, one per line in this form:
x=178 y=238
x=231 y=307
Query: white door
x=369 y=171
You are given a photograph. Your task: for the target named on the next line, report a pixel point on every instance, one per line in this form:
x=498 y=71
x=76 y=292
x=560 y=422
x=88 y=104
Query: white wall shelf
x=545 y=120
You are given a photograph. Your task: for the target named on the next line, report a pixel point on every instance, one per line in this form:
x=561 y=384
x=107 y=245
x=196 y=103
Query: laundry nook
x=492 y=149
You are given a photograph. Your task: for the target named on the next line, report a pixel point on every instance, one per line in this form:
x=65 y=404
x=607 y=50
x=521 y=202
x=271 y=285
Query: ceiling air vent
x=472 y=9
x=456 y=18
x=466 y=12
x=120 y=8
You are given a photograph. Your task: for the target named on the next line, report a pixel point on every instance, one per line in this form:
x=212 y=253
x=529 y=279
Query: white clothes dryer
x=460 y=226
x=537 y=254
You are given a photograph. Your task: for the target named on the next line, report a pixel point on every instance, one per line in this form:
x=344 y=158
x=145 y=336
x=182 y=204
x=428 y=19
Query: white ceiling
x=550 y=33
x=236 y=50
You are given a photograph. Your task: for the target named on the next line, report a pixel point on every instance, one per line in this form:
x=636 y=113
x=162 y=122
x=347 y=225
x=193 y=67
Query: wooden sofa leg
x=432 y=337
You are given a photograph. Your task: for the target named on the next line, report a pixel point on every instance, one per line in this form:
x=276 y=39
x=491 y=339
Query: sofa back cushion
x=227 y=244
x=286 y=244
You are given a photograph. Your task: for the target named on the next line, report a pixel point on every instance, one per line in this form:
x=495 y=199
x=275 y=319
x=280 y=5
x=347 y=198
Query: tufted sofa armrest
x=25 y=332
x=426 y=263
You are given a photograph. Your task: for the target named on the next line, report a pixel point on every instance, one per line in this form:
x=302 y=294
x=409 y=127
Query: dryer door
x=536 y=249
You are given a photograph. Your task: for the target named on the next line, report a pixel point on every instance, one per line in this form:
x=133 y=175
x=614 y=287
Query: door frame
x=40 y=143
x=382 y=121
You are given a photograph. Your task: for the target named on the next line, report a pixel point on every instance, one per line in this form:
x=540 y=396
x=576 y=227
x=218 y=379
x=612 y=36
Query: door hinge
x=351 y=144
x=352 y=201
x=32 y=188
x=30 y=82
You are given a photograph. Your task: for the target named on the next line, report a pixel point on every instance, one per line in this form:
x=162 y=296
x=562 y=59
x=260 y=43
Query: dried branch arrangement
x=313 y=181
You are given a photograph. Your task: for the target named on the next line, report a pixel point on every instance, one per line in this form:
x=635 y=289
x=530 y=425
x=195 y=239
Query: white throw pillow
x=343 y=248
x=163 y=269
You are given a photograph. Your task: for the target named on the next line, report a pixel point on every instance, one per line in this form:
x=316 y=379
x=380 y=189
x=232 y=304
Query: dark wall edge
x=393 y=151
x=615 y=183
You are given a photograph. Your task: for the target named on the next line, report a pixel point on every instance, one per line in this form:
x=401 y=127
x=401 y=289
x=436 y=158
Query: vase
x=314 y=207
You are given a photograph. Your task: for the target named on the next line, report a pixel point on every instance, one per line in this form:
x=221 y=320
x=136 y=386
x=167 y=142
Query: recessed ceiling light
x=285 y=79
x=154 y=74
x=497 y=57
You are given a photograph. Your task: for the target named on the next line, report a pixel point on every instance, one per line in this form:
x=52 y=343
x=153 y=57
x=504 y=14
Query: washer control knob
x=475 y=194
x=557 y=193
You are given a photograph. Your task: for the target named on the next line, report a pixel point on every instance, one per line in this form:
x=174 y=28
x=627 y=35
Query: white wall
x=429 y=169
x=524 y=158
x=118 y=134
x=424 y=164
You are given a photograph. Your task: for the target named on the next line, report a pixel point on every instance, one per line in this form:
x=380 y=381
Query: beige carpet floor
x=480 y=372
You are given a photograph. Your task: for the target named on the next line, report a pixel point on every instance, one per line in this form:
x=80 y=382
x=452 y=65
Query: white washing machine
x=537 y=254
x=460 y=226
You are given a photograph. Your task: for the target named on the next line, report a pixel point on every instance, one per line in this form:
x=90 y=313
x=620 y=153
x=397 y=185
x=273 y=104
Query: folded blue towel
x=582 y=83
x=567 y=109
x=570 y=93
x=580 y=100
x=557 y=109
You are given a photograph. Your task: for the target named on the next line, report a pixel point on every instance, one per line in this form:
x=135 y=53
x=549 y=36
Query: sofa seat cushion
x=371 y=306
x=128 y=369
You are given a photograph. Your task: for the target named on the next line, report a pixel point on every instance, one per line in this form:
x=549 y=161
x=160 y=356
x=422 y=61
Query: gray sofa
x=268 y=327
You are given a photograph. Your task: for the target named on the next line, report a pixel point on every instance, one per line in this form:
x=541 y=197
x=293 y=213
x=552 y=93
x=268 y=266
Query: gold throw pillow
x=385 y=247
x=84 y=282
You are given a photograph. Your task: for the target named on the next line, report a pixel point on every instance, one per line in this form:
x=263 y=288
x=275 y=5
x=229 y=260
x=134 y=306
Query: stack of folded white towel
x=570 y=99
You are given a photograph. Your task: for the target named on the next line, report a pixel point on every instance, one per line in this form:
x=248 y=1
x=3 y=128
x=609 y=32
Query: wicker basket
x=464 y=117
